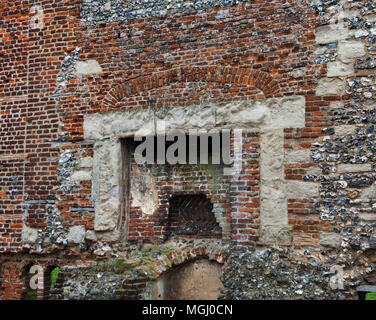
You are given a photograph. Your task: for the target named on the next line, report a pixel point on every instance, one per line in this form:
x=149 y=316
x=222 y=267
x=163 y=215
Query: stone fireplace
x=145 y=202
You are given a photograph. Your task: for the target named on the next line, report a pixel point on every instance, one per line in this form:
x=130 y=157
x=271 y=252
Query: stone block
x=29 y=235
x=302 y=189
x=88 y=67
x=352 y=168
x=276 y=234
x=330 y=239
x=331 y=33
x=369 y=193
x=330 y=86
x=298 y=156
x=344 y=130
x=76 y=234
x=340 y=69
x=349 y=50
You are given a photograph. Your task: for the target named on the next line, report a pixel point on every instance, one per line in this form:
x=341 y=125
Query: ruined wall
x=76 y=77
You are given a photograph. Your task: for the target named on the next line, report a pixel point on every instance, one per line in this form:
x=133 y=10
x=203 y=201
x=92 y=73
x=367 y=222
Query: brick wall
x=85 y=60
x=135 y=59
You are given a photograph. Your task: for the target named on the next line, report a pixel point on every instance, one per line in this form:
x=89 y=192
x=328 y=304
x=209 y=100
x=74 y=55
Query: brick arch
x=233 y=75
x=185 y=255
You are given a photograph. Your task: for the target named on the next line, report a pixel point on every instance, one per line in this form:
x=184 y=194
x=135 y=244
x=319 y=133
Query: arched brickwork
x=185 y=254
x=134 y=289
x=233 y=75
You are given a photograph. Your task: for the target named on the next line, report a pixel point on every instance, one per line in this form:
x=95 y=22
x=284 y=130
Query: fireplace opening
x=192 y=216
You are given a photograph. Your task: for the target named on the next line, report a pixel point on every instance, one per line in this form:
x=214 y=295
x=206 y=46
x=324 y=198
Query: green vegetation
x=54 y=276
x=371 y=296
x=117 y=266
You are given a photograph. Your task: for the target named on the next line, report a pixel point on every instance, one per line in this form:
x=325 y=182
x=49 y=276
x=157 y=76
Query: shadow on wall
x=197 y=280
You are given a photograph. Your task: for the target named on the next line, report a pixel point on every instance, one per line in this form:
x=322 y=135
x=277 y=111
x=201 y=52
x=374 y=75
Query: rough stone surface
x=88 y=67
x=277 y=273
x=339 y=69
x=330 y=86
x=298 y=156
x=349 y=168
x=143 y=190
x=300 y=189
x=331 y=33
x=270 y=113
x=273 y=201
x=369 y=193
x=330 y=239
x=106 y=185
x=350 y=49
x=81 y=175
x=76 y=234
x=29 y=235
x=104 y=11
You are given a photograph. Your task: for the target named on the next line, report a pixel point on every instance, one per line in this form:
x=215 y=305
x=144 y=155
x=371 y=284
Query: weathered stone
x=347 y=13
x=29 y=235
x=370 y=17
x=88 y=67
x=349 y=50
x=288 y=112
x=273 y=201
x=81 y=175
x=331 y=33
x=369 y=217
x=76 y=234
x=106 y=184
x=330 y=86
x=90 y=235
x=276 y=234
x=143 y=190
x=330 y=239
x=114 y=235
x=86 y=162
x=339 y=69
x=336 y=104
x=369 y=193
x=349 y=168
x=298 y=156
x=344 y=130
x=106 y=215
x=302 y=189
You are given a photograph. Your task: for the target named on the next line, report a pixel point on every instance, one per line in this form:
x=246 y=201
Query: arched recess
x=191 y=214
x=233 y=75
x=172 y=278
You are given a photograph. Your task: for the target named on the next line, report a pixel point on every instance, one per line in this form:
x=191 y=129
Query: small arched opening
x=192 y=216
x=194 y=280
